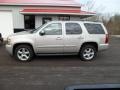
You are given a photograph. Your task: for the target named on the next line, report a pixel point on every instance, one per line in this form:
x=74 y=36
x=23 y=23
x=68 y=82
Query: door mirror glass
x=42 y=33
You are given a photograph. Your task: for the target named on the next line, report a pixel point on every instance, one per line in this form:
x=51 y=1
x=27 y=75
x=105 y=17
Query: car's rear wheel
x=88 y=53
x=23 y=53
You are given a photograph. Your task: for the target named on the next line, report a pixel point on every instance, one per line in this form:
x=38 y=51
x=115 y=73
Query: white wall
x=6 y=23
x=38 y=21
x=18 y=19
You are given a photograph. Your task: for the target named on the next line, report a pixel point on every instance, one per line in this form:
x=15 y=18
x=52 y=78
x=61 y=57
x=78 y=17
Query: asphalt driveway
x=57 y=72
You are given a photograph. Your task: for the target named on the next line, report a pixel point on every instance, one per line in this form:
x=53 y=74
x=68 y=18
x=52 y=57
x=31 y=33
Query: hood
x=20 y=33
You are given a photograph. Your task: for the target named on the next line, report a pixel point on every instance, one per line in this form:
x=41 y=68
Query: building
x=19 y=15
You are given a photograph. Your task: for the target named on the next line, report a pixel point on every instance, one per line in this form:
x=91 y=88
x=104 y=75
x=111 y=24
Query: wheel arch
x=17 y=44
x=95 y=44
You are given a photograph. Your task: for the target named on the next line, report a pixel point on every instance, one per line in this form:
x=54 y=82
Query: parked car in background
x=60 y=38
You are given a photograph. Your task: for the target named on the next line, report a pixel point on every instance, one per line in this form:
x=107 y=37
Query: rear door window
x=94 y=28
x=73 y=28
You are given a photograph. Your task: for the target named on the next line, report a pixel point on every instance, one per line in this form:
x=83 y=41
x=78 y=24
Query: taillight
x=106 y=38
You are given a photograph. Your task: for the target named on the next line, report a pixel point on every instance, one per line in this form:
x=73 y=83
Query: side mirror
x=42 y=33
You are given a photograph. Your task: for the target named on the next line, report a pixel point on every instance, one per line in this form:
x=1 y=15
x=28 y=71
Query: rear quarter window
x=94 y=28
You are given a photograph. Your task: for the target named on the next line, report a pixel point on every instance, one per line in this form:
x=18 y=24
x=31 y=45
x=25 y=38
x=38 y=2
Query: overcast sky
x=107 y=6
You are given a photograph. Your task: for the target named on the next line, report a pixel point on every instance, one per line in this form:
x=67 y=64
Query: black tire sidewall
x=28 y=48
x=82 y=50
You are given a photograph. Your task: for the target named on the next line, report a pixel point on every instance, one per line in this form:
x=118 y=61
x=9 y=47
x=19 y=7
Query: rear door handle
x=58 y=38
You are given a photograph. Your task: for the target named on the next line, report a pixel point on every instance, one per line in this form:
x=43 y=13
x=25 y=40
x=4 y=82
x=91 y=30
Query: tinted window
x=73 y=28
x=94 y=28
x=53 y=29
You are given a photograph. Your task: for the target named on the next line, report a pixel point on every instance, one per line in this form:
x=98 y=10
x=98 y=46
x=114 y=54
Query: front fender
x=23 y=40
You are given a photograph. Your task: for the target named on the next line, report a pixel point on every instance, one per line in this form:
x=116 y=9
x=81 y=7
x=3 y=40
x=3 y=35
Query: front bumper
x=9 y=48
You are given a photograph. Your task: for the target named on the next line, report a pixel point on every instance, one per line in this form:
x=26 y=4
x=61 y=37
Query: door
x=29 y=21
x=52 y=40
x=72 y=38
x=6 y=23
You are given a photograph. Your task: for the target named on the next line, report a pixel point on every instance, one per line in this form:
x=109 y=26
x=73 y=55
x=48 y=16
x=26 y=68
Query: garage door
x=6 y=23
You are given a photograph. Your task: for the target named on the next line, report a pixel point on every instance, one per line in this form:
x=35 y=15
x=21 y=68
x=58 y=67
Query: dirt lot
x=57 y=72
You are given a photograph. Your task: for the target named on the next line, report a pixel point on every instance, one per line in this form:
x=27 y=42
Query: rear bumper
x=103 y=47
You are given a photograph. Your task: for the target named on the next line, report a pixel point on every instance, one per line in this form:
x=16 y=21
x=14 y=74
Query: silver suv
x=60 y=38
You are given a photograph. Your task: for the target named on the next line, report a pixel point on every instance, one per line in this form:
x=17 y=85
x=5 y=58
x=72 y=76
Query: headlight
x=8 y=42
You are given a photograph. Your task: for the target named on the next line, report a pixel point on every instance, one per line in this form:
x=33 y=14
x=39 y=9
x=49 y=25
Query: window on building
x=94 y=28
x=29 y=21
x=46 y=19
x=73 y=28
x=64 y=18
x=53 y=29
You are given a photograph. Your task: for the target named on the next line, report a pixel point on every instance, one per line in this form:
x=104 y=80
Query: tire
x=88 y=53
x=23 y=53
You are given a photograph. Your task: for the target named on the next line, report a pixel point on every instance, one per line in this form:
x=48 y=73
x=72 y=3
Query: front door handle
x=58 y=38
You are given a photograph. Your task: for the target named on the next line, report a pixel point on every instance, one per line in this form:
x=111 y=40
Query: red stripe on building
x=51 y=10
x=55 y=11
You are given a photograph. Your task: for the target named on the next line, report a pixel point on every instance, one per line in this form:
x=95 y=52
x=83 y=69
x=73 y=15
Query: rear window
x=94 y=28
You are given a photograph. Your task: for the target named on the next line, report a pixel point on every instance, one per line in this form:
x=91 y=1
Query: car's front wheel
x=88 y=53
x=23 y=53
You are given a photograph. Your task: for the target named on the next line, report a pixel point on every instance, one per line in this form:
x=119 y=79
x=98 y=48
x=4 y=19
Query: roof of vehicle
x=77 y=22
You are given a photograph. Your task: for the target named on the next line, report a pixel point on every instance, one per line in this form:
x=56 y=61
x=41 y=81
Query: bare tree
x=113 y=24
x=91 y=7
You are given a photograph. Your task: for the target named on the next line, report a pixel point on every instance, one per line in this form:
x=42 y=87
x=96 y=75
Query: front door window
x=53 y=29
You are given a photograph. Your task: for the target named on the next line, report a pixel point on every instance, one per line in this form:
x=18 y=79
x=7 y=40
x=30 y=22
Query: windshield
x=37 y=29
